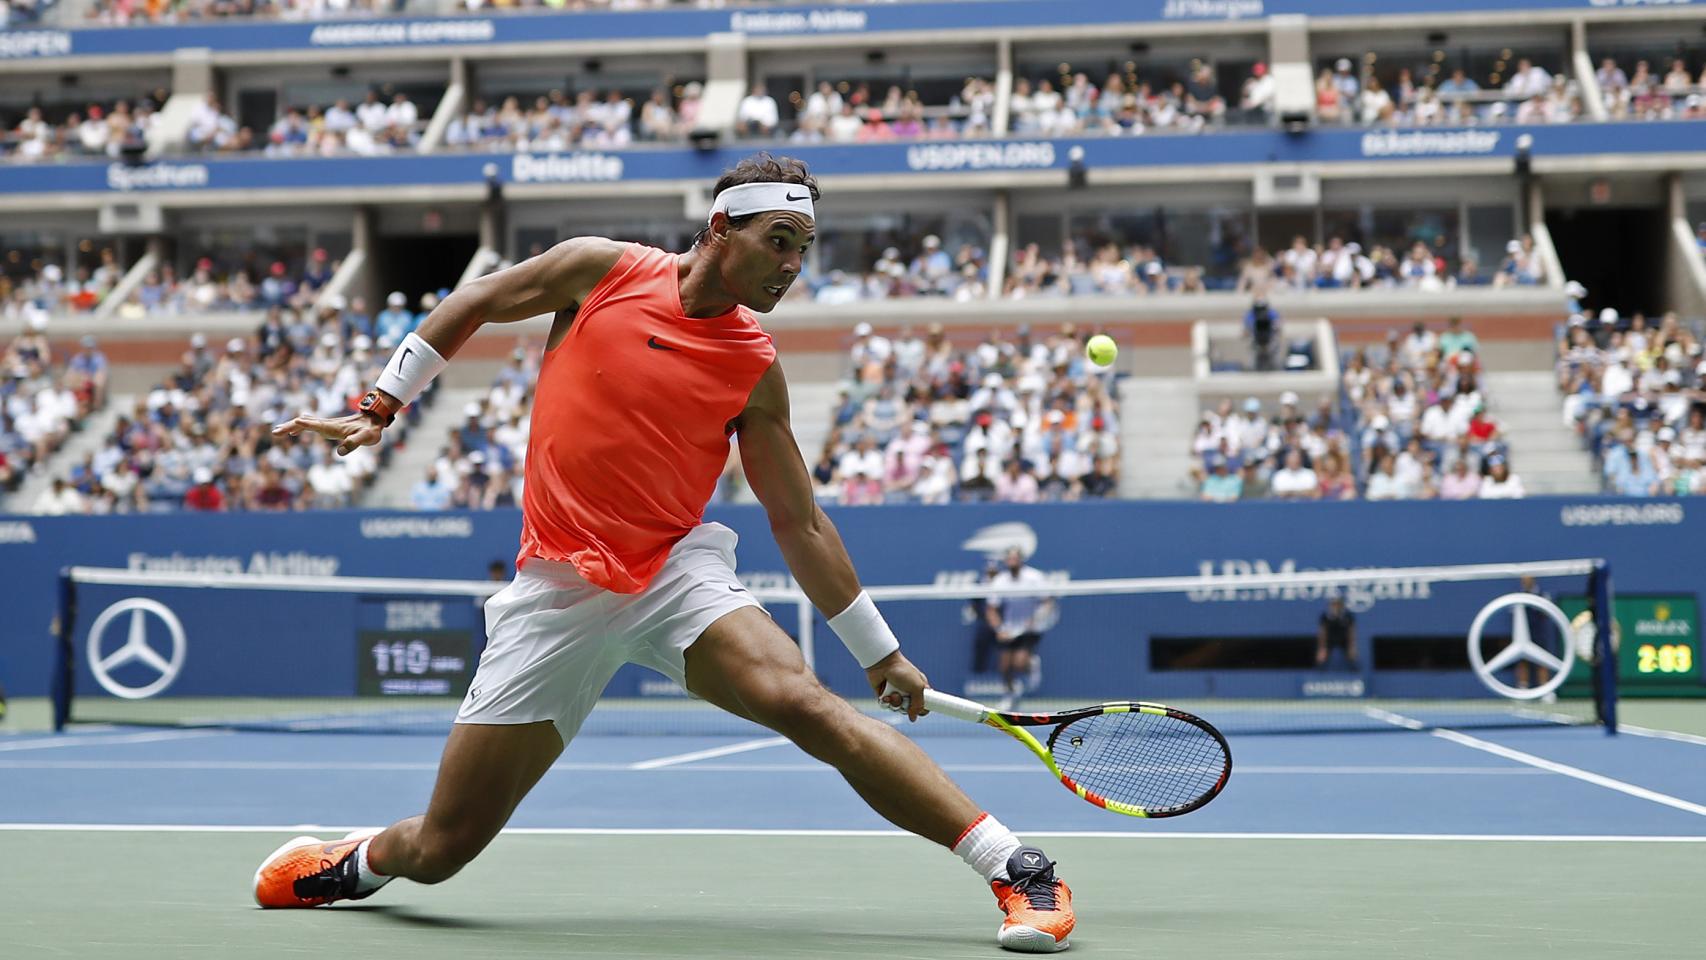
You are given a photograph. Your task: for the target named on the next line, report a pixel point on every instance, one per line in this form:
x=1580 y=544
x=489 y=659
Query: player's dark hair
x=761 y=167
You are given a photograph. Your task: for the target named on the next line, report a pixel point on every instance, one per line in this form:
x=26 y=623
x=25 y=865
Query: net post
x=64 y=661
x=1604 y=619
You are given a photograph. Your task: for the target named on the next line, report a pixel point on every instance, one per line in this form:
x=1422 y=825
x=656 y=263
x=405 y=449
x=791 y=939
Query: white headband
x=750 y=198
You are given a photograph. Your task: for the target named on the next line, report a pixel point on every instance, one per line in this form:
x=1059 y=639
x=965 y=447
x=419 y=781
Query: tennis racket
x=1139 y=759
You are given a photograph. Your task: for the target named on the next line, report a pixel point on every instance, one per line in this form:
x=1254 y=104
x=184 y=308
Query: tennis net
x=1246 y=650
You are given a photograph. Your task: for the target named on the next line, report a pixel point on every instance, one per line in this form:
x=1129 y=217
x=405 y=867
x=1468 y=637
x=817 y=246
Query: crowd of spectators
x=925 y=266
x=43 y=399
x=1071 y=104
x=848 y=112
x=1012 y=420
x=1635 y=392
x=1644 y=95
x=44 y=134
x=121 y=12
x=201 y=439
x=381 y=123
x=42 y=289
x=134 y=12
x=556 y=121
x=375 y=126
x=1339 y=264
x=1409 y=422
x=225 y=284
x=926 y=269
x=1430 y=95
x=23 y=13
x=480 y=465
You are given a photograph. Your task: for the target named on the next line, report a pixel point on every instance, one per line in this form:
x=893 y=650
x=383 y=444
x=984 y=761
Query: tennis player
x=654 y=360
x=1019 y=623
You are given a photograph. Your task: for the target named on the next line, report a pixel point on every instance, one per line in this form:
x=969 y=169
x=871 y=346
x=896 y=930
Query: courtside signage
x=1360 y=593
x=565 y=167
x=879 y=159
x=17 y=531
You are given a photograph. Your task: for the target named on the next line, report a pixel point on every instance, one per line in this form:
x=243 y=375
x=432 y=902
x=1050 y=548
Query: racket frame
x=1014 y=724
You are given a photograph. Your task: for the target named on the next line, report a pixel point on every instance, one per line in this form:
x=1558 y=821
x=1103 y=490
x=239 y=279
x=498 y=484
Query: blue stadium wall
x=255 y=643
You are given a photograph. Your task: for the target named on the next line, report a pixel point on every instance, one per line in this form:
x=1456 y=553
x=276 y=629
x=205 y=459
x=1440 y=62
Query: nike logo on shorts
x=655 y=345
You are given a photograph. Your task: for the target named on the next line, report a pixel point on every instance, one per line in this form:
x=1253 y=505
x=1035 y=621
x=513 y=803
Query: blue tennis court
x=1491 y=843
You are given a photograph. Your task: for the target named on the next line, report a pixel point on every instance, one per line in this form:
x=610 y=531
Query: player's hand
x=355 y=430
x=903 y=682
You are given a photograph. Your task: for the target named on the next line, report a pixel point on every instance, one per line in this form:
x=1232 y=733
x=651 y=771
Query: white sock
x=985 y=847
x=369 y=879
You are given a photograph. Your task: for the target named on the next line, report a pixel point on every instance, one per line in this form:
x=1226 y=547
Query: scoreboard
x=414 y=647
x=1657 y=638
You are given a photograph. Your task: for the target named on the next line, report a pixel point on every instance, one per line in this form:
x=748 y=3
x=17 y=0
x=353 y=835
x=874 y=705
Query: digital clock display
x=1664 y=658
x=1658 y=640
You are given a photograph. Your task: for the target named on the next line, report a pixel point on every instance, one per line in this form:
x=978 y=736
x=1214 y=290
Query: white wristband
x=864 y=632
x=410 y=369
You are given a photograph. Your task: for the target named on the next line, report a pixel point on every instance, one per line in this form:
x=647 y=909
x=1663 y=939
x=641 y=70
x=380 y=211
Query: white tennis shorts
x=554 y=640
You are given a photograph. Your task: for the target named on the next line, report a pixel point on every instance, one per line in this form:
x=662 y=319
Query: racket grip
x=939 y=702
x=957 y=707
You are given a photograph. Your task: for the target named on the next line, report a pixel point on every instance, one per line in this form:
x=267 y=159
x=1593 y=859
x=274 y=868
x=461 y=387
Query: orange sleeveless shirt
x=630 y=423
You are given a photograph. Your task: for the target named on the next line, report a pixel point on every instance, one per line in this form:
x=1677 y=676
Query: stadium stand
x=1633 y=394
x=1370 y=268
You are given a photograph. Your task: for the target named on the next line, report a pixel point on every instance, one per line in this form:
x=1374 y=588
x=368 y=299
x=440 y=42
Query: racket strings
x=1140 y=759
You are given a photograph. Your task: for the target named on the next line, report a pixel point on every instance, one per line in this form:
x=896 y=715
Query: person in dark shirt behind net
x=1336 y=638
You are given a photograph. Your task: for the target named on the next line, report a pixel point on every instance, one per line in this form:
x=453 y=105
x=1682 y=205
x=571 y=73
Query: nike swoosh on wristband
x=655 y=345
x=796 y=199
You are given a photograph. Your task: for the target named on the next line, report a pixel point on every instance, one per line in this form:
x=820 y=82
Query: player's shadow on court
x=674 y=938
x=429 y=921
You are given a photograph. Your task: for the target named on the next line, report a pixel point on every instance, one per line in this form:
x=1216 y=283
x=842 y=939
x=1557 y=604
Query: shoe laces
x=328 y=881
x=1040 y=887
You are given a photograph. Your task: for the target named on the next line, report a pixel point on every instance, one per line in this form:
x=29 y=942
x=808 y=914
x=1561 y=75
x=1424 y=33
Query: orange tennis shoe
x=1037 y=904
x=307 y=872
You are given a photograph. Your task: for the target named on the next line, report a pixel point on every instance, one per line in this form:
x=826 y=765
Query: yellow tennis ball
x=1101 y=350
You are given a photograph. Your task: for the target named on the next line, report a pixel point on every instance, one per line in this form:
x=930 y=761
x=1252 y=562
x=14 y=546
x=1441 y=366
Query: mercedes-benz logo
x=1522 y=647
x=135 y=647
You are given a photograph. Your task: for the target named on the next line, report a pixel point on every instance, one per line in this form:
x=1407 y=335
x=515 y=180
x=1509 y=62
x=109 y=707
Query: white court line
x=1578 y=773
x=1661 y=734
x=48 y=743
x=861 y=834
x=1499 y=750
x=679 y=758
x=571 y=766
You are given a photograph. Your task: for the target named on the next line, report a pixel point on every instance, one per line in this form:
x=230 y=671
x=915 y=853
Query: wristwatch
x=378 y=405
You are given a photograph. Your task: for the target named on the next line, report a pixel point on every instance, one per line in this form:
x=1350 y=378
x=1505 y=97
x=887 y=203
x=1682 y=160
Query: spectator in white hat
x=1346 y=83
x=395 y=321
x=1574 y=294
x=933 y=267
x=869 y=349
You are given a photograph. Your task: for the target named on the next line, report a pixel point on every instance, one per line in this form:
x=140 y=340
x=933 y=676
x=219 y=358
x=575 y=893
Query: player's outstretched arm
x=554 y=282
x=809 y=542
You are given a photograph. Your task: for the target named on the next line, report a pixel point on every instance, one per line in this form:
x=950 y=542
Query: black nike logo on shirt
x=794 y=198
x=655 y=345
